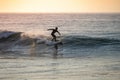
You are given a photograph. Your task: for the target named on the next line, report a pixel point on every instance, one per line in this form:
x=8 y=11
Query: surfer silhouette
x=53 y=33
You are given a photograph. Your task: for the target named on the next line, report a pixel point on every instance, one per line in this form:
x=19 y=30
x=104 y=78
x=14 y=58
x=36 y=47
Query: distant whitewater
x=83 y=35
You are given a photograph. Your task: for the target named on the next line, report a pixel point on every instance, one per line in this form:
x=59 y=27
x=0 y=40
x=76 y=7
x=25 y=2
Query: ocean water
x=90 y=49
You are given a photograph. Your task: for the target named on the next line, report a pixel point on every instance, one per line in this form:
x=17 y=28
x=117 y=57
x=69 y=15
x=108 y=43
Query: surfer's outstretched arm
x=50 y=29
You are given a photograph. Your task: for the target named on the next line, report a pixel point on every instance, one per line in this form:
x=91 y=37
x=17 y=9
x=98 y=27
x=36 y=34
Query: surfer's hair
x=56 y=27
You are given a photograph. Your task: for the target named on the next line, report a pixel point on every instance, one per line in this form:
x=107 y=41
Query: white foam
x=50 y=43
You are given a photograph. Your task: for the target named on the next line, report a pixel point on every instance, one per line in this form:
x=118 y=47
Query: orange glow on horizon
x=52 y=6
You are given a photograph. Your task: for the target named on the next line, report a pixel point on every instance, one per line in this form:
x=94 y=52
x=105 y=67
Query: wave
x=19 y=44
x=89 y=41
x=9 y=37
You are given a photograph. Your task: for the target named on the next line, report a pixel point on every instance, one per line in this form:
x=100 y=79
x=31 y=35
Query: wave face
x=15 y=44
x=89 y=41
x=8 y=36
x=5 y=35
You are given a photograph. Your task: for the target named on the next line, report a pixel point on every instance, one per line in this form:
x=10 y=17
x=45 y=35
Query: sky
x=59 y=6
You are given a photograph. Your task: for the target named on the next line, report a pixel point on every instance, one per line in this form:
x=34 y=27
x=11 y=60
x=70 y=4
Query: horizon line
x=59 y=12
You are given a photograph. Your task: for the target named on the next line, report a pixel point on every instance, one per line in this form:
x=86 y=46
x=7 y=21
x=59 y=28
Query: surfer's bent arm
x=58 y=32
x=50 y=29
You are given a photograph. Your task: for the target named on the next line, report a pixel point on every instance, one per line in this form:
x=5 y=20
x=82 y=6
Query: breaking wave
x=18 y=43
x=17 y=38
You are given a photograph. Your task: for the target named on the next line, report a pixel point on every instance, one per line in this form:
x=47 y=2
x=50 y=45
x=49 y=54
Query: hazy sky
x=65 y=6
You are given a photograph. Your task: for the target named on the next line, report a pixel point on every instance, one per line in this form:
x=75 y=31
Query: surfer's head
x=56 y=28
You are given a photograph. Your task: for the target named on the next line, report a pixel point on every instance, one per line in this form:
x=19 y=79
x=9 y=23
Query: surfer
x=53 y=33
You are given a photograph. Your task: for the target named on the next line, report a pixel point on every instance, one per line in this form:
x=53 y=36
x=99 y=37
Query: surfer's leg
x=54 y=37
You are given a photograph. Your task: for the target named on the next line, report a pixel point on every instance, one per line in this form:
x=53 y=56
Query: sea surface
x=90 y=48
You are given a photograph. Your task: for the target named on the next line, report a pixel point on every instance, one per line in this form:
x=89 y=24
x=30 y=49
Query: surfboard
x=50 y=43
